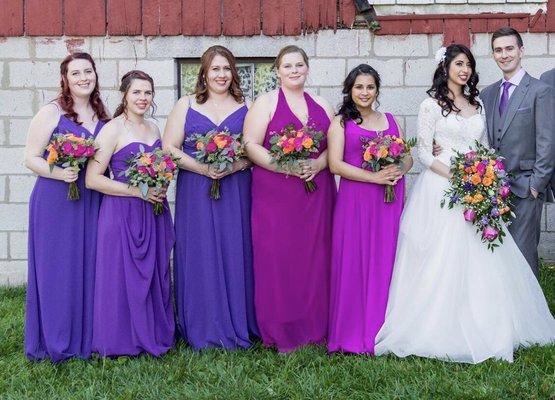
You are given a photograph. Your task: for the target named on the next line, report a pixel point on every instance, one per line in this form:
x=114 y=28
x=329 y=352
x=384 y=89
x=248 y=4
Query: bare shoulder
x=50 y=112
x=111 y=129
x=267 y=101
x=153 y=127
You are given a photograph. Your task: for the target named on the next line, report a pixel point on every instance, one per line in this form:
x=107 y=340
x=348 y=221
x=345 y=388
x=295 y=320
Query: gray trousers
x=525 y=229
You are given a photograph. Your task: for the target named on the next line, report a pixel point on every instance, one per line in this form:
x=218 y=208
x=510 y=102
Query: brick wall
x=29 y=78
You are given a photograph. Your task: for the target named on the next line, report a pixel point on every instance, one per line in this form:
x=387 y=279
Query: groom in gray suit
x=549 y=78
x=520 y=114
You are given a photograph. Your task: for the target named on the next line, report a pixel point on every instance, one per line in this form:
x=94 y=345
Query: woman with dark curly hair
x=451 y=298
x=364 y=227
x=62 y=233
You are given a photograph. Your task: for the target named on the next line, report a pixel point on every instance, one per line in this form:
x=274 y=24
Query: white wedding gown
x=450 y=297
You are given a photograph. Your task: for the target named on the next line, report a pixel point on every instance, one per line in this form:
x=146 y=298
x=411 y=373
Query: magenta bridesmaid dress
x=363 y=253
x=291 y=233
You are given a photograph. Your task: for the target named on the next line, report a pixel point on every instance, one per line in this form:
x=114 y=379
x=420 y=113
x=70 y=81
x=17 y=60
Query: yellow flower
x=52 y=155
x=307 y=143
x=145 y=160
x=382 y=152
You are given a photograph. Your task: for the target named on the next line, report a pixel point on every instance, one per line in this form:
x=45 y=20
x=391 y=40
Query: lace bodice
x=451 y=133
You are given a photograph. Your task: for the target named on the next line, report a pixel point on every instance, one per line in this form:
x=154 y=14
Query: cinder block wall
x=29 y=77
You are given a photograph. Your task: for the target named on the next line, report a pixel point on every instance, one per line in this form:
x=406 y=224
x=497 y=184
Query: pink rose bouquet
x=70 y=150
x=220 y=149
x=291 y=145
x=382 y=151
x=151 y=169
x=481 y=186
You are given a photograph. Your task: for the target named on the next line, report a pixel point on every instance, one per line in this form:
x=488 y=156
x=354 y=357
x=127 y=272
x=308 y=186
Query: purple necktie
x=504 y=102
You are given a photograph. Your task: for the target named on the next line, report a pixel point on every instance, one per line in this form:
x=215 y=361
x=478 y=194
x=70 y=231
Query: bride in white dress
x=451 y=298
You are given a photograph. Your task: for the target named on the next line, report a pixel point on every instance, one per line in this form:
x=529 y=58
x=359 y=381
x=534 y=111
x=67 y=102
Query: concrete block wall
x=29 y=77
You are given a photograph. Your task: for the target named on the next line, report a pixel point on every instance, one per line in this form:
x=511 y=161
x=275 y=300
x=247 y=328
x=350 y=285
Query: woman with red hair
x=62 y=233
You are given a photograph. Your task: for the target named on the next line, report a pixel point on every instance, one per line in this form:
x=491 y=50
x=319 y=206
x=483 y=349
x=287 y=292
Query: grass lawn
x=259 y=373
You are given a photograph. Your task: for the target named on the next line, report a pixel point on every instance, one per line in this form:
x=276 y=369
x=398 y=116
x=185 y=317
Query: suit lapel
x=490 y=102
x=515 y=101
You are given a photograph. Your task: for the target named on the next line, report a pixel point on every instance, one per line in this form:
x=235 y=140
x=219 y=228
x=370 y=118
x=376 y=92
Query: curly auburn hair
x=440 y=91
x=65 y=99
x=201 y=89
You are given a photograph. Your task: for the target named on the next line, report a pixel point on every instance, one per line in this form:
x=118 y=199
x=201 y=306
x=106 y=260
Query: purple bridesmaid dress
x=291 y=231
x=364 y=242
x=62 y=248
x=213 y=255
x=133 y=309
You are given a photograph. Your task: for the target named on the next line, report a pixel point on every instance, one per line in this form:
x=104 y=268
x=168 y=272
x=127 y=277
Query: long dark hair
x=126 y=81
x=66 y=100
x=348 y=109
x=201 y=88
x=440 y=91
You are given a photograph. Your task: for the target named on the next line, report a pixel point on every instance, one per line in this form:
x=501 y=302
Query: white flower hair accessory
x=440 y=54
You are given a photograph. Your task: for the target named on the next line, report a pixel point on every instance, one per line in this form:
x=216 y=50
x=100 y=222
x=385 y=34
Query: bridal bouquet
x=220 y=150
x=70 y=150
x=481 y=185
x=291 y=145
x=382 y=151
x=151 y=169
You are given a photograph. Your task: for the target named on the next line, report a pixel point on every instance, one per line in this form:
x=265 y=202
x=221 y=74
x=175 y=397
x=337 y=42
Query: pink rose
x=67 y=148
x=80 y=150
x=471 y=155
x=499 y=165
x=298 y=144
x=481 y=169
x=151 y=171
x=231 y=154
x=211 y=147
x=89 y=152
x=469 y=215
x=142 y=170
x=170 y=164
x=490 y=233
x=504 y=191
x=373 y=149
x=395 y=149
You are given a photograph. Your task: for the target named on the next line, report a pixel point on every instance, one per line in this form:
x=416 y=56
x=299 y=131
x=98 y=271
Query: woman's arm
x=38 y=137
x=425 y=136
x=107 y=141
x=336 y=146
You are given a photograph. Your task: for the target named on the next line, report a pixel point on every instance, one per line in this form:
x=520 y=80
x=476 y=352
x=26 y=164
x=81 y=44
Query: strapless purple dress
x=133 y=310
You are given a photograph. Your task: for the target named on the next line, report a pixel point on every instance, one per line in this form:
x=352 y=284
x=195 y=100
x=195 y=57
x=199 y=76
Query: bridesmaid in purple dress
x=364 y=227
x=133 y=310
x=62 y=233
x=291 y=228
x=213 y=256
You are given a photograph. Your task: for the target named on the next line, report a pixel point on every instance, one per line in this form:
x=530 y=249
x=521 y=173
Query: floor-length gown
x=291 y=232
x=62 y=248
x=133 y=309
x=365 y=232
x=451 y=298
x=213 y=253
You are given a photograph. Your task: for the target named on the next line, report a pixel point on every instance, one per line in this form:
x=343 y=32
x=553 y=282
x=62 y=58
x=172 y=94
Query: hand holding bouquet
x=291 y=146
x=155 y=169
x=70 y=151
x=480 y=184
x=219 y=150
x=384 y=150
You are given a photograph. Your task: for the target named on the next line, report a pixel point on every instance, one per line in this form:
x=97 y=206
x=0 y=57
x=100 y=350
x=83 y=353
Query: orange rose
x=308 y=142
x=200 y=146
x=475 y=179
x=478 y=198
x=467 y=198
x=367 y=156
x=145 y=160
x=52 y=155
x=382 y=152
x=487 y=181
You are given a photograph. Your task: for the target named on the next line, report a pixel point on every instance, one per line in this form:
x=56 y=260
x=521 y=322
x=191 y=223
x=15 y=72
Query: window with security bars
x=257 y=76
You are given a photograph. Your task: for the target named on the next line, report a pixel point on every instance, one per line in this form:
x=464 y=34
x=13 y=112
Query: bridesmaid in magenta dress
x=364 y=227
x=62 y=233
x=291 y=229
x=133 y=310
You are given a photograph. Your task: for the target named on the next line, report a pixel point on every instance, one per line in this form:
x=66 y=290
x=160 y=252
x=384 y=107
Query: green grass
x=259 y=373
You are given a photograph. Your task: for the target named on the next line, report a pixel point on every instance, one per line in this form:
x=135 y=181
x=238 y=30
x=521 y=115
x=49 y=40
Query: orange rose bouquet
x=291 y=145
x=220 y=150
x=70 y=150
x=382 y=151
x=480 y=184
x=151 y=169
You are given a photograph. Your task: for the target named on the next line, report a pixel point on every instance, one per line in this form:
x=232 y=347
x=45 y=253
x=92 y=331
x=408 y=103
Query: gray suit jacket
x=549 y=78
x=526 y=139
